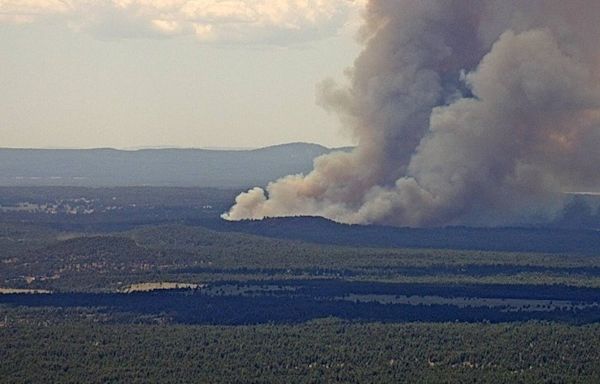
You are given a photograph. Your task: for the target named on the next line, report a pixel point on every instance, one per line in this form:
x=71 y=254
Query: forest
x=149 y=285
x=43 y=348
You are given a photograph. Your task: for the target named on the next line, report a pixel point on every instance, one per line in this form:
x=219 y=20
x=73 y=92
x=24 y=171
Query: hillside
x=322 y=231
x=155 y=167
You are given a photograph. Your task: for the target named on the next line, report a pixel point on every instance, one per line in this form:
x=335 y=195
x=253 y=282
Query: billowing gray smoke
x=465 y=112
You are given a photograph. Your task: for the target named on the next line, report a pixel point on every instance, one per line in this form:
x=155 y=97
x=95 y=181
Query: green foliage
x=321 y=351
x=95 y=345
x=33 y=257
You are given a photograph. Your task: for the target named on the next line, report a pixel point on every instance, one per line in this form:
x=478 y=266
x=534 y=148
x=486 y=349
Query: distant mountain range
x=156 y=167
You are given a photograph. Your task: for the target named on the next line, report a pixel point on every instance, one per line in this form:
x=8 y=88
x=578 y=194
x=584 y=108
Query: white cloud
x=27 y=11
x=211 y=21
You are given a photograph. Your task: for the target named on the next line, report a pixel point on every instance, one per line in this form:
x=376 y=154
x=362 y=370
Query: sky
x=171 y=73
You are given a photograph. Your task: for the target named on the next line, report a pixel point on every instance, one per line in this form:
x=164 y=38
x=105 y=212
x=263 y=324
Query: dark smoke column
x=465 y=112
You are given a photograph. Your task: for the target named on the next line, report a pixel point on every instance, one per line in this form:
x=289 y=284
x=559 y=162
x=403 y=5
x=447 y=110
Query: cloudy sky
x=185 y=73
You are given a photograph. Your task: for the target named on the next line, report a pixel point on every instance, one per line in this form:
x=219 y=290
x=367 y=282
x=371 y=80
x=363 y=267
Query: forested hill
x=323 y=231
x=155 y=167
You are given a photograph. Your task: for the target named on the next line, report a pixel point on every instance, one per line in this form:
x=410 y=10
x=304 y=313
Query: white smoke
x=465 y=112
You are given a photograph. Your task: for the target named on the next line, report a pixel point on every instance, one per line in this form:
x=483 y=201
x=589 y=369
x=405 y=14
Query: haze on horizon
x=171 y=73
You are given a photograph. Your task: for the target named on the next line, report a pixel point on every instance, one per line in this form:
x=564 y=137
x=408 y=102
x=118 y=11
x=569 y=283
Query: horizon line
x=167 y=147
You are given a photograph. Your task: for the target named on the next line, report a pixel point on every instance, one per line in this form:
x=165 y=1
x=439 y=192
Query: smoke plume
x=464 y=111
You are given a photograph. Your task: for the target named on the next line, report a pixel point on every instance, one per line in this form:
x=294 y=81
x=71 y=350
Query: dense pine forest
x=148 y=285
x=45 y=349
